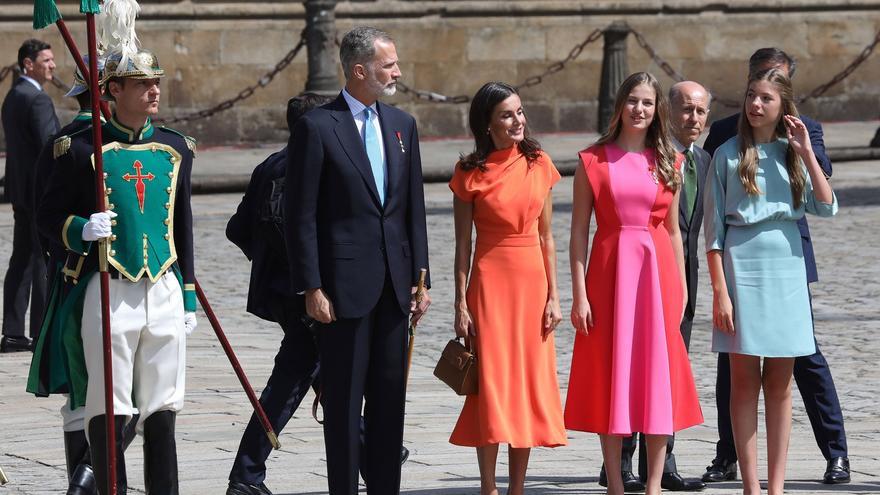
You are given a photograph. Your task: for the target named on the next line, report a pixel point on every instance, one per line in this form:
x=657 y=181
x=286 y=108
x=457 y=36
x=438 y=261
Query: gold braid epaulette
x=190 y=141
x=61 y=146
x=191 y=144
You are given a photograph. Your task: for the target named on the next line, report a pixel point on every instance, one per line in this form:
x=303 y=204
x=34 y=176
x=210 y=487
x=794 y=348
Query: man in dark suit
x=256 y=228
x=356 y=240
x=689 y=109
x=29 y=121
x=811 y=373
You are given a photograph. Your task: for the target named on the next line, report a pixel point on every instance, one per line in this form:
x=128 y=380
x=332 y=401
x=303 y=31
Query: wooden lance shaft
x=420 y=295
x=80 y=63
x=236 y=366
x=101 y=204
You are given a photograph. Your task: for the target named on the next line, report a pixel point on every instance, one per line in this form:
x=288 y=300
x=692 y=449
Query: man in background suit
x=811 y=373
x=356 y=239
x=689 y=109
x=28 y=121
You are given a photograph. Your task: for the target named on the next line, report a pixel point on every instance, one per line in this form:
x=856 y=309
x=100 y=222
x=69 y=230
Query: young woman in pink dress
x=630 y=371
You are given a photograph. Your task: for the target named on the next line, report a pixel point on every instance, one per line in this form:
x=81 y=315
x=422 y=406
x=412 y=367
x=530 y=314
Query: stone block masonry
x=212 y=50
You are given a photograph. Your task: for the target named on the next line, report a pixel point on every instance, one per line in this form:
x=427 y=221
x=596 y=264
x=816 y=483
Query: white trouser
x=148 y=343
x=74 y=419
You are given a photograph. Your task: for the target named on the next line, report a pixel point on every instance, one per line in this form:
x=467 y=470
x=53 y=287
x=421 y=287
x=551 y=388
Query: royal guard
x=144 y=239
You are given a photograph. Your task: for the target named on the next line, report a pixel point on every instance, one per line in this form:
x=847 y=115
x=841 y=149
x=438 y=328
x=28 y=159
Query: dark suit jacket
x=690 y=231
x=339 y=236
x=724 y=129
x=270 y=272
x=29 y=121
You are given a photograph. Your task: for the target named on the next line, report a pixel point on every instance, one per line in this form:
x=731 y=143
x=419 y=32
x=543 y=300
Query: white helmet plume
x=116 y=32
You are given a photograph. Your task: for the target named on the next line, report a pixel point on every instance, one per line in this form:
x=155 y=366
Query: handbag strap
x=468 y=344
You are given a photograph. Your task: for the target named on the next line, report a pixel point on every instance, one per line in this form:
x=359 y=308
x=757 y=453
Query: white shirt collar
x=680 y=147
x=32 y=81
x=355 y=105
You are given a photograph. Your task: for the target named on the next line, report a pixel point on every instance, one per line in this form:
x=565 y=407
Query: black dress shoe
x=675 y=483
x=83 y=481
x=720 y=470
x=837 y=471
x=631 y=484
x=238 y=488
x=14 y=344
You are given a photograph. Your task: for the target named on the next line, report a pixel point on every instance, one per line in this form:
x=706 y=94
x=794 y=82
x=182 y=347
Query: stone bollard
x=321 y=42
x=614 y=70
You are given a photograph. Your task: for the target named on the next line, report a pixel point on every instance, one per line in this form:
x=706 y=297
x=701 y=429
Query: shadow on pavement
x=535 y=485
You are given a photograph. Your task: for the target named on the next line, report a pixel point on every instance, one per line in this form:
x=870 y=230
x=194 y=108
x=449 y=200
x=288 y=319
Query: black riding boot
x=98 y=450
x=160 y=454
x=80 y=476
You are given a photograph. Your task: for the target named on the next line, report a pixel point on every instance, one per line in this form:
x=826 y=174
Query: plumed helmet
x=80 y=85
x=142 y=65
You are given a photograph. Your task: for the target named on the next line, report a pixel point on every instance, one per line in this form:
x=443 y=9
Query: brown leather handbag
x=457 y=367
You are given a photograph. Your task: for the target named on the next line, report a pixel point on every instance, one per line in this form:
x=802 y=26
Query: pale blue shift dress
x=762 y=252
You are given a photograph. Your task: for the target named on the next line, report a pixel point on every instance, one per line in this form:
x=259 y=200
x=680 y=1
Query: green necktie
x=690 y=182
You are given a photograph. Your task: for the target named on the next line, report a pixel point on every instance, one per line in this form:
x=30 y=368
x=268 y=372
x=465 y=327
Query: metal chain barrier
x=6 y=71
x=574 y=53
x=13 y=68
x=430 y=95
x=866 y=52
x=535 y=80
x=663 y=64
x=246 y=92
x=531 y=81
x=815 y=93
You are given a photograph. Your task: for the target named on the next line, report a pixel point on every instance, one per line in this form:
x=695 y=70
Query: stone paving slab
x=848 y=322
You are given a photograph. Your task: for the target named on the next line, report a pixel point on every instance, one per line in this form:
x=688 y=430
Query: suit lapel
x=683 y=220
x=393 y=152
x=347 y=133
x=702 y=162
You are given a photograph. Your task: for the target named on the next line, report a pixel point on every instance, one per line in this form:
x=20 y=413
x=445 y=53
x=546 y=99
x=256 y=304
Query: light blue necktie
x=374 y=153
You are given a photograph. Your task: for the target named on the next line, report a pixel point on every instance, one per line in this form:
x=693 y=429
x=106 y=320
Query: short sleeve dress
x=631 y=373
x=762 y=252
x=518 y=401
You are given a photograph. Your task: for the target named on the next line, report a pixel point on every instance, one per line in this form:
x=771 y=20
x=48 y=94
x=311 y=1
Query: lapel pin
x=400 y=141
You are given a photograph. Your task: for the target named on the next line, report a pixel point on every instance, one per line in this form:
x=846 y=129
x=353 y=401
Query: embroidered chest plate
x=140 y=182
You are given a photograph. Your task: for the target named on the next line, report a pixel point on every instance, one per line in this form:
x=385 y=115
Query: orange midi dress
x=518 y=402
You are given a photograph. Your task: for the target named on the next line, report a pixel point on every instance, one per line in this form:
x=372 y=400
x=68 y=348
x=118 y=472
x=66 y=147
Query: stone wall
x=212 y=50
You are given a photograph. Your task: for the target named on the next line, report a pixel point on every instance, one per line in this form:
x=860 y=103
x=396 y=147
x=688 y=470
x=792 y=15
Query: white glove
x=189 y=322
x=98 y=226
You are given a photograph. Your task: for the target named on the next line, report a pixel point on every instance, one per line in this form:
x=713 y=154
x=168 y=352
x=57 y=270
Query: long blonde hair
x=658 y=134
x=748 y=152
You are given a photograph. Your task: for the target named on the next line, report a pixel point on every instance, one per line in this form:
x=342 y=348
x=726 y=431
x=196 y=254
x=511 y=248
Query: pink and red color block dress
x=631 y=373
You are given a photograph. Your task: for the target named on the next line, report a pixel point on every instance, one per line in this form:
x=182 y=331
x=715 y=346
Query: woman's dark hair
x=480 y=116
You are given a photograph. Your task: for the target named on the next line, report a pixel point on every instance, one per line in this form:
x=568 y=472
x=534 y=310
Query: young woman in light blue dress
x=760 y=183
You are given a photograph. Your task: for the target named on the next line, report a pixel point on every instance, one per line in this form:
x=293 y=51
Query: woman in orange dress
x=511 y=306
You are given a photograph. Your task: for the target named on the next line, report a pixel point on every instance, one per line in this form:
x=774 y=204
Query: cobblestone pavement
x=847 y=322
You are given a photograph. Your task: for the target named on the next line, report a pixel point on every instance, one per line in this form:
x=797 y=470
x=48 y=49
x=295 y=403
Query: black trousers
x=25 y=279
x=363 y=362
x=296 y=369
